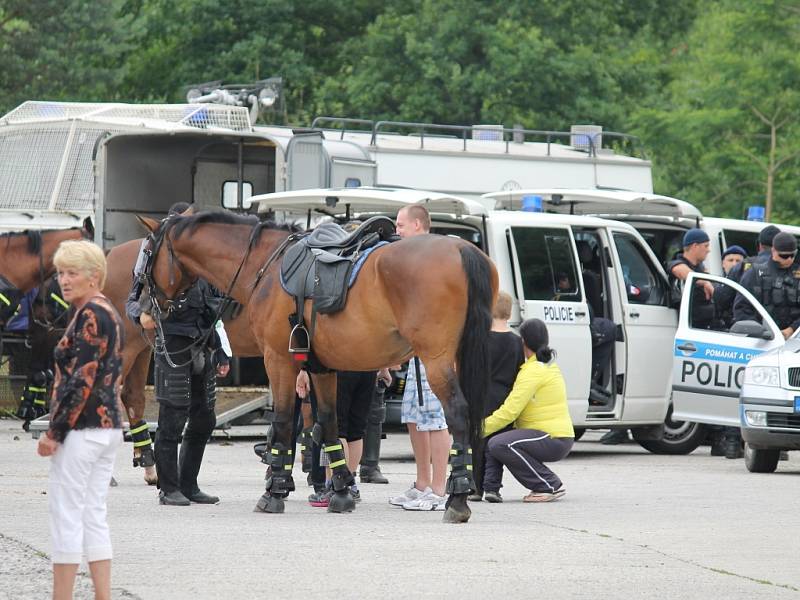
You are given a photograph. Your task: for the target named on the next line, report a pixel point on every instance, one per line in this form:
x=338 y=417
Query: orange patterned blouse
x=88 y=381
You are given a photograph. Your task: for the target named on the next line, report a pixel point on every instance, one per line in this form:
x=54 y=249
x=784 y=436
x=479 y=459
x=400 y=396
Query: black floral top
x=86 y=392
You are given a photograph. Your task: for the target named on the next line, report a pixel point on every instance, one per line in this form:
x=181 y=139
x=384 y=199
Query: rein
x=159 y=345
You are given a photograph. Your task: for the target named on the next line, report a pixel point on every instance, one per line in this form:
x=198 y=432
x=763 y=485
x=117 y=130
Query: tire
x=579 y=431
x=761 y=461
x=680 y=437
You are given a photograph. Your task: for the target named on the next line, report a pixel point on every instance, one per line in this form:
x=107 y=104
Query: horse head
x=165 y=277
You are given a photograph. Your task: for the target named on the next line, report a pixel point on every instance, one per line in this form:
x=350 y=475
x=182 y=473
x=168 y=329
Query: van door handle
x=688 y=347
x=580 y=313
x=633 y=314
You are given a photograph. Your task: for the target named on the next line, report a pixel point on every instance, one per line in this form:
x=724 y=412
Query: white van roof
x=597 y=202
x=334 y=201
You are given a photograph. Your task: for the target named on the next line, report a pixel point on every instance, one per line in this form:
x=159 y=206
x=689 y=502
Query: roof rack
x=508 y=136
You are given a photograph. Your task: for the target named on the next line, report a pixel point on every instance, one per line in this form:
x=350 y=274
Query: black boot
x=191 y=458
x=370 y=471
x=166 y=453
x=733 y=443
x=173 y=498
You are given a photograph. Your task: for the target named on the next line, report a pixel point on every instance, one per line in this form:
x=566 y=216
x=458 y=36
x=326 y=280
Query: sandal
x=545 y=496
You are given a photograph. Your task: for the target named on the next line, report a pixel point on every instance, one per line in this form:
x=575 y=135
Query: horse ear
x=189 y=211
x=150 y=224
x=88 y=227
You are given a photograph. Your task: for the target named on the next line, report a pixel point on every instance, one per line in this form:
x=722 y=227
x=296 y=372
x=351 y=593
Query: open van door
x=708 y=364
x=549 y=287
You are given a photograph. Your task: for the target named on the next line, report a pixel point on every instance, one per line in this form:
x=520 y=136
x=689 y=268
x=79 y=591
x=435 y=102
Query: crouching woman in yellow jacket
x=537 y=406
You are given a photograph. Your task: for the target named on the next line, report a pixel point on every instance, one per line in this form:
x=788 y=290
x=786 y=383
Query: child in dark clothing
x=506 y=357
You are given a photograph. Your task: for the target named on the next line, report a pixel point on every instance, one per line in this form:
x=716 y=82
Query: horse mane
x=34 y=237
x=189 y=224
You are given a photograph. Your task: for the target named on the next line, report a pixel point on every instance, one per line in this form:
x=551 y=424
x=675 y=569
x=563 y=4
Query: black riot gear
x=777 y=289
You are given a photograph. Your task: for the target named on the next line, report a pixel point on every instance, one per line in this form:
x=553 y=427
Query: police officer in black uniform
x=186 y=388
x=776 y=285
x=725 y=294
x=696 y=247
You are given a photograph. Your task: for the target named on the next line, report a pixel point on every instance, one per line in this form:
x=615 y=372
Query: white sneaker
x=427 y=501
x=410 y=494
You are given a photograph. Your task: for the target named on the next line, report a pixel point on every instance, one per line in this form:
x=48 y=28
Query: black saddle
x=333 y=237
x=318 y=266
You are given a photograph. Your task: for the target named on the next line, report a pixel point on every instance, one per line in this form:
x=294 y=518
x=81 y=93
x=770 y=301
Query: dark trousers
x=524 y=452
x=176 y=473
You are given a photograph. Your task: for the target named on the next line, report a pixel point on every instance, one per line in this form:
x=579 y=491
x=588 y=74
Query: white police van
x=563 y=269
x=662 y=220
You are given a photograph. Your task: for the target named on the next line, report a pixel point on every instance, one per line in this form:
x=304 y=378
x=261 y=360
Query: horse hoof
x=341 y=502
x=150 y=476
x=456 y=509
x=456 y=516
x=270 y=504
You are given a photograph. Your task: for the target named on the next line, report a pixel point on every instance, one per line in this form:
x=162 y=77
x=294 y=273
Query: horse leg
x=444 y=383
x=279 y=454
x=341 y=477
x=134 y=400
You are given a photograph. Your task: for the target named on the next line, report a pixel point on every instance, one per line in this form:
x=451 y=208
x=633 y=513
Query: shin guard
x=341 y=477
x=460 y=480
x=142 y=445
x=279 y=474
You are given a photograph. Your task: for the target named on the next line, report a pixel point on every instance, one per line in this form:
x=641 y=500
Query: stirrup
x=300 y=351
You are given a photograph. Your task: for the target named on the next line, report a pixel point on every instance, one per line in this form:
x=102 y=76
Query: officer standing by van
x=776 y=285
x=696 y=246
x=725 y=294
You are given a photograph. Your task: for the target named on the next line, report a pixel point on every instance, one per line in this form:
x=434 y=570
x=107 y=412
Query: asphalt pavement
x=632 y=525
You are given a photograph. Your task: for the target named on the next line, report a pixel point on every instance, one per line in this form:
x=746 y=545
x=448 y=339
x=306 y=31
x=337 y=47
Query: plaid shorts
x=429 y=416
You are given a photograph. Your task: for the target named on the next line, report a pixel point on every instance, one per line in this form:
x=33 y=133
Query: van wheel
x=761 y=461
x=579 y=431
x=680 y=437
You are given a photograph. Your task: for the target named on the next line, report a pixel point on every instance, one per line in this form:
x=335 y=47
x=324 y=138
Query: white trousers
x=80 y=474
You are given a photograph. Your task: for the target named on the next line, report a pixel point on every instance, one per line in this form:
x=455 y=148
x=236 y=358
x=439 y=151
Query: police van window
x=230 y=194
x=547 y=264
x=643 y=284
x=746 y=239
x=665 y=243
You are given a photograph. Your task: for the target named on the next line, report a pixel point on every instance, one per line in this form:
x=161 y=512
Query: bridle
x=160 y=238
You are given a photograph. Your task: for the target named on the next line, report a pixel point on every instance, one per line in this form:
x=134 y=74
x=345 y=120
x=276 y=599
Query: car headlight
x=762 y=376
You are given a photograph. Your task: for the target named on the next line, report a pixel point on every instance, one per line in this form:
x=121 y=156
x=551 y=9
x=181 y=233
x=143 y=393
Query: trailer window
x=643 y=283
x=547 y=264
x=230 y=195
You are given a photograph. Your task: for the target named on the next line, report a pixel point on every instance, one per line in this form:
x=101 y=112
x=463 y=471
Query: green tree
x=60 y=50
x=727 y=137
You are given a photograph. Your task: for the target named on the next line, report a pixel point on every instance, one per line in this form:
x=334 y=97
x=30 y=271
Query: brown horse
x=429 y=296
x=138 y=349
x=26 y=261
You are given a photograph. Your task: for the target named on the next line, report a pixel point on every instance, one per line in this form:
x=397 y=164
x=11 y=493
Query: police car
x=770 y=406
x=739 y=375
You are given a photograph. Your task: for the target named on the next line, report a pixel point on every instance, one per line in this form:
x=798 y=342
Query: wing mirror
x=752 y=329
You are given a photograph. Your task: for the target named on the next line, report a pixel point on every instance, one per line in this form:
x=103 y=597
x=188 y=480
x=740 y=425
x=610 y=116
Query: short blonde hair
x=502 y=307
x=82 y=255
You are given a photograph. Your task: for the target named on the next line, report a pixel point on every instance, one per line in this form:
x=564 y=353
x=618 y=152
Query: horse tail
x=473 y=348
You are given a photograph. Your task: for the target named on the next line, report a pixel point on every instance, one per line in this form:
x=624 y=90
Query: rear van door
x=708 y=364
x=549 y=287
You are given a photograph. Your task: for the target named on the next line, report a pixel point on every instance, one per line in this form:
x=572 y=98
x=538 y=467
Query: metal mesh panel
x=157 y=116
x=29 y=162
x=31 y=168
x=46 y=148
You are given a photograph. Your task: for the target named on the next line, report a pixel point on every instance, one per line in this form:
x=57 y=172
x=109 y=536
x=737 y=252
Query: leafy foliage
x=711 y=88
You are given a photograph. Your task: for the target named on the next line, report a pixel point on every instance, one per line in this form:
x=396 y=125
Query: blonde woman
x=85 y=421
